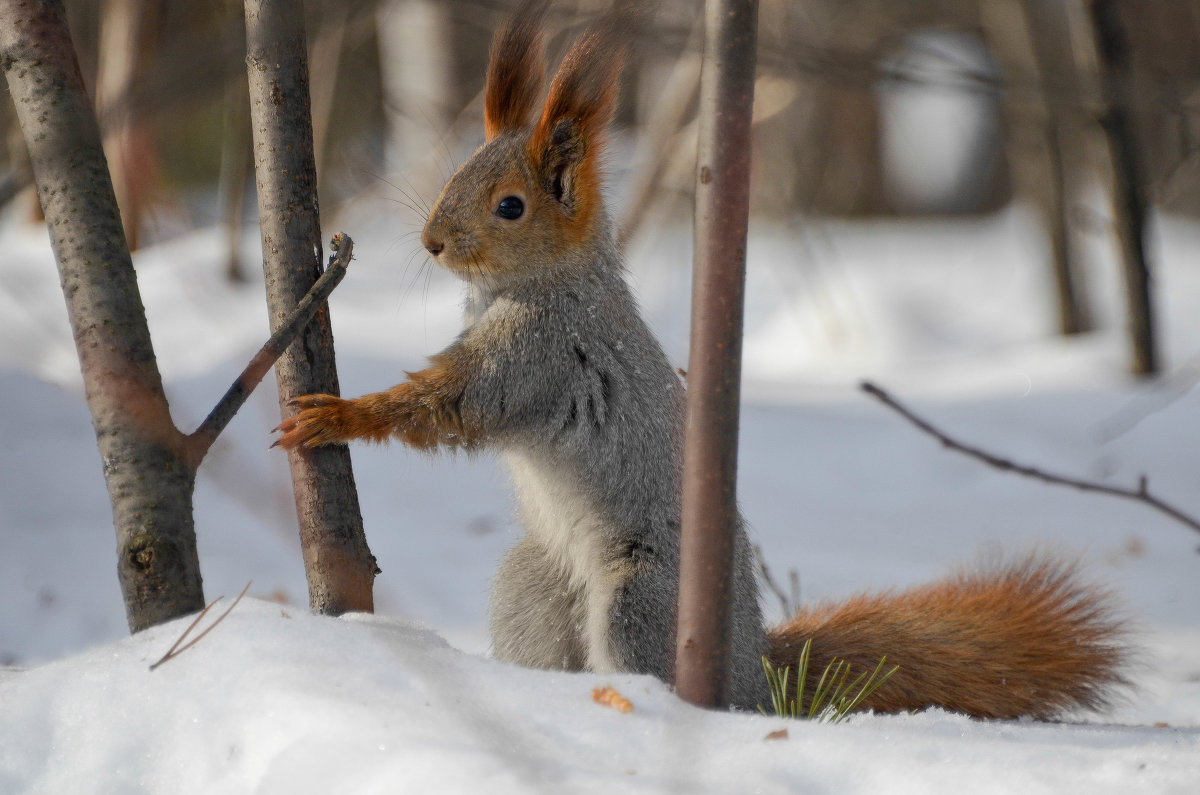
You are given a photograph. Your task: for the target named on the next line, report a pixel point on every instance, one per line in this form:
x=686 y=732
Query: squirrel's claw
x=287 y=440
x=316 y=423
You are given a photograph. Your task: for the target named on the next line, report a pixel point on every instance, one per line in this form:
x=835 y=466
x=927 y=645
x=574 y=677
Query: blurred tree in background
x=864 y=108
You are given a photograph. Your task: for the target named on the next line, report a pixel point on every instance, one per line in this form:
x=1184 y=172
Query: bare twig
x=789 y=602
x=176 y=649
x=341 y=252
x=1140 y=493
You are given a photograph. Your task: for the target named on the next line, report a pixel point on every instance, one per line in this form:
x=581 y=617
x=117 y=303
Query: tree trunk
x=129 y=35
x=714 y=364
x=338 y=563
x=1128 y=191
x=1049 y=33
x=235 y=167
x=143 y=454
x=416 y=53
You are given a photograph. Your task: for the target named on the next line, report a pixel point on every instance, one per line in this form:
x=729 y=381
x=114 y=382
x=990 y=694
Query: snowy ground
x=952 y=318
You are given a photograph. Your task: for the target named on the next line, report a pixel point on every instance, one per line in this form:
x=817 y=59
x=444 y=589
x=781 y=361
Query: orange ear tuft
x=584 y=90
x=515 y=70
x=569 y=137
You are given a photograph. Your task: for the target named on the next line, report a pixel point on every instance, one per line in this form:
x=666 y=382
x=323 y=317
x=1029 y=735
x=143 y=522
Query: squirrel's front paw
x=321 y=420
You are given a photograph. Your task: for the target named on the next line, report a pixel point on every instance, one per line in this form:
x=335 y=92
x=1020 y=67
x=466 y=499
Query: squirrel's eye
x=510 y=208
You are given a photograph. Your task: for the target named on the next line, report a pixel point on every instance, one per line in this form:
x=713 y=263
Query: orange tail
x=1026 y=639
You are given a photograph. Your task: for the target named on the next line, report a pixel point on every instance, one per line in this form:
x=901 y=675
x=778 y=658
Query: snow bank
x=274 y=700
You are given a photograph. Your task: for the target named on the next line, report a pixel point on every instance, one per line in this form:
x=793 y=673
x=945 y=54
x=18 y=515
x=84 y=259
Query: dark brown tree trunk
x=338 y=563
x=1129 y=195
x=143 y=454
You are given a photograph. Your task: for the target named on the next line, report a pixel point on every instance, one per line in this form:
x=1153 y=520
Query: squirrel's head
x=530 y=198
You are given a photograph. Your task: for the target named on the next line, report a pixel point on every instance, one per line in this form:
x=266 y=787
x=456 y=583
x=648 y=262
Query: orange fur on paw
x=422 y=412
x=321 y=420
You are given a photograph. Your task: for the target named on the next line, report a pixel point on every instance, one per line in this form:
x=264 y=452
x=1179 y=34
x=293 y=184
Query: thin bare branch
x=790 y=603
x=1140 y=493
x=176 y=649
x=199 y=442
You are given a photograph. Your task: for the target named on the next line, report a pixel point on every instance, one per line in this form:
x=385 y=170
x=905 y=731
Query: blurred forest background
x=864 y=108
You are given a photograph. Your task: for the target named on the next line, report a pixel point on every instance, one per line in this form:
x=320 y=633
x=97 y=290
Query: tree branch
x=199 y=442
x=1141 y=493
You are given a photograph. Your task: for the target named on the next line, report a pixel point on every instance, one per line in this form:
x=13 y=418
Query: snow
x=276 y=700
x=952 y=318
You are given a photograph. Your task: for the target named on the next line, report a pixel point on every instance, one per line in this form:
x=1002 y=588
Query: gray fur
x=568 y=384
x=585 y=409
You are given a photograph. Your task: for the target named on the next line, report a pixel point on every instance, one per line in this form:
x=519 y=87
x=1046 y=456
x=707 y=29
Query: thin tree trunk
x=338 y=563
x=714 y=364
x=1050 y=39
x=128 y=40
x=149 y=483
x=416 y=60
x=653 y=154
x=1129 y=199
x=327 y=61
x=19 y=176
x=235 y=168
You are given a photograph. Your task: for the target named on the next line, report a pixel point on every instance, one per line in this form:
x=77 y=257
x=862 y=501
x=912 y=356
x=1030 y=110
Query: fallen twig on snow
x=176 y=649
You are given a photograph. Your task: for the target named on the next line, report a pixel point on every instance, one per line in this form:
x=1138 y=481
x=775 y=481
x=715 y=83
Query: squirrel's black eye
x=510 y=208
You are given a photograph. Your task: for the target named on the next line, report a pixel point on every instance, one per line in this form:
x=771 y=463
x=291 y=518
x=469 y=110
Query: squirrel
x=558 y=373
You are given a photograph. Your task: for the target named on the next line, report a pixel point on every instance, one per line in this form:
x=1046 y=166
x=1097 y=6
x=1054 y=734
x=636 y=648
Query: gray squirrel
x=557 y=372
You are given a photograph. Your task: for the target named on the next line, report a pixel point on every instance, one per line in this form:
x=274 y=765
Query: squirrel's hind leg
x=537 y=614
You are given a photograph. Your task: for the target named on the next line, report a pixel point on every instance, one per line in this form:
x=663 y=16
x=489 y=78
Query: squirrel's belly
x=560 y=516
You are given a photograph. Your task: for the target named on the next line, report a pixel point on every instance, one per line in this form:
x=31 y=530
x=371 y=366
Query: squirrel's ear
x=515 y=70
x=568 y=139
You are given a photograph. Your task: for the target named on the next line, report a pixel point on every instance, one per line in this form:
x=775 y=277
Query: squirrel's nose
x=432 y=244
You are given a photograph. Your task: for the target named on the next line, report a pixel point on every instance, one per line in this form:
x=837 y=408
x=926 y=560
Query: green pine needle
x=835 y=695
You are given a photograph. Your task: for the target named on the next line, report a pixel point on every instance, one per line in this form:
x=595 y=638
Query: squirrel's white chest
x=557 y=513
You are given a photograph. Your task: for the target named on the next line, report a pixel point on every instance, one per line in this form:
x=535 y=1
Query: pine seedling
x=835 y=694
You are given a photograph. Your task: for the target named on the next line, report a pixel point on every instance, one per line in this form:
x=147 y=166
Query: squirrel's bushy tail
x=1024 y=639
